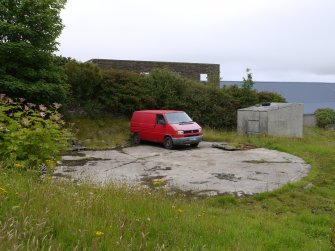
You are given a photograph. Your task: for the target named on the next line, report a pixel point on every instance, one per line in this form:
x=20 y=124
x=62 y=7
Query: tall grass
x=44 y=214
x=101 y=133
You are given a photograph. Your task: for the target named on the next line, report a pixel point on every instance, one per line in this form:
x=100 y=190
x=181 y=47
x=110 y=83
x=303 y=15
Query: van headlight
x=200 y=129
x=180 y=132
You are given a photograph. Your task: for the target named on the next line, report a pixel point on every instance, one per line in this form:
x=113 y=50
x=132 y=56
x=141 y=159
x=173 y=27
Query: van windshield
x=178 y=118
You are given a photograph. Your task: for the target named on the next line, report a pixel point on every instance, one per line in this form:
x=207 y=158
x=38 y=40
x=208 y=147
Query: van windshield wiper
x=184 y=122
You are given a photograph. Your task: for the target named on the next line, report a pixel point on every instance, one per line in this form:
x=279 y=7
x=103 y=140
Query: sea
x=313 y=95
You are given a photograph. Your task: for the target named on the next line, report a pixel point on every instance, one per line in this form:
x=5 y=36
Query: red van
x=165 y=126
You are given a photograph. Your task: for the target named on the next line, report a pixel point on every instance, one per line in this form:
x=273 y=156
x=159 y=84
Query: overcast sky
x=279 y=40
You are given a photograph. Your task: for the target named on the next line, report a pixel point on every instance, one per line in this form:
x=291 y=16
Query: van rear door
x=147 y=125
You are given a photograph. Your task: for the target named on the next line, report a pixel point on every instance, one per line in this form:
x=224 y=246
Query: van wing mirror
x=161 y=122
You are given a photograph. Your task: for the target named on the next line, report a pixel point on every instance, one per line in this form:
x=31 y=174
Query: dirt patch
x=80 y=162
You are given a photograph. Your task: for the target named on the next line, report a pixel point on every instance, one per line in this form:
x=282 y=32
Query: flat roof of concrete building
x=272 y=106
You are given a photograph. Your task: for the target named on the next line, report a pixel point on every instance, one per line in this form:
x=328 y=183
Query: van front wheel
x=135 y=139
x=168 y=143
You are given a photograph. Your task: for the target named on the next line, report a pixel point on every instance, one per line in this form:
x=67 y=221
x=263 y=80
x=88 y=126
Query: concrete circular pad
x=202 y=171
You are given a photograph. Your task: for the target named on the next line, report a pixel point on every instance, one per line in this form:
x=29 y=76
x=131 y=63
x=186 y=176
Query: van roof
x=158 y=111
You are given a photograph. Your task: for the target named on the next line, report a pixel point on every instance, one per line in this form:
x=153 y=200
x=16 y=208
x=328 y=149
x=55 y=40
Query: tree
x=249 y=95
x=28 y=33
x=248 y=83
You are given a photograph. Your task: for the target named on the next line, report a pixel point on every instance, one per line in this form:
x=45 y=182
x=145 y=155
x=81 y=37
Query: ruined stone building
x=193 y=71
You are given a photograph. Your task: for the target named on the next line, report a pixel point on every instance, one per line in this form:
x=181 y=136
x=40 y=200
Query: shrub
x=270 y=97
x=118 y=92
x=100 y=92
x=85 y=81
x=324 y=117
x=205 y=104
x=210 y=106
x=243 y=97
x=213 y=79
x=166 y=88
x=247 y=96
x=30 y=134
x=123 y=92
x=39 y=92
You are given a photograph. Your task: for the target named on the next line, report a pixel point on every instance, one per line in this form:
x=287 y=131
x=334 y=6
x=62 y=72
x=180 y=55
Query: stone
x=225 y=147
x=187 y=70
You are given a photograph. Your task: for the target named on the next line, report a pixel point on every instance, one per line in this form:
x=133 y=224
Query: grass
x=101 y=133
x=300 y=216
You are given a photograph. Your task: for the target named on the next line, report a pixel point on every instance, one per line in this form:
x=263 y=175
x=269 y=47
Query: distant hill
x=314 y=95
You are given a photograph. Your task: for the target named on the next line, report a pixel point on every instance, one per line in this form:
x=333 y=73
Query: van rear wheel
x=135 y=139
x=168 y=143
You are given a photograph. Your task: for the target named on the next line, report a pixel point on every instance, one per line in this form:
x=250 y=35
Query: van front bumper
x=187 y=140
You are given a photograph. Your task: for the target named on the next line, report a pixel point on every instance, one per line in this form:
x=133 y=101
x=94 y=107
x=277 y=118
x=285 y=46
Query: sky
x=279 y=40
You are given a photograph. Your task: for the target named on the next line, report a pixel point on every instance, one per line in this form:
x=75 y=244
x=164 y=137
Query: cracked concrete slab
x=201 y=171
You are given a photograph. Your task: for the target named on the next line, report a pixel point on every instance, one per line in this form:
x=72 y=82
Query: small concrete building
x=276 y=119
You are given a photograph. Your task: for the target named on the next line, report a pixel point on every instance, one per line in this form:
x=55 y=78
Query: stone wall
x=188 y=70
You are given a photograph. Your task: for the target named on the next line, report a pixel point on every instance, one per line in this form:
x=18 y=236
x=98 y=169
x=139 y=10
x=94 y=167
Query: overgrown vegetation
x=30 y=135
x=213 y=79
x=324 y=117
x=28 y=68
x=50 y=215
x=248 y=82
x=114 y=92
x=100 y=133
x=65 y=216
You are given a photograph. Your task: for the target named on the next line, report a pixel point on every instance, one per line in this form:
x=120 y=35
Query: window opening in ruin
x=203 y=77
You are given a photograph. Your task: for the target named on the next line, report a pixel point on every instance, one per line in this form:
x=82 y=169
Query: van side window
x=160 y=119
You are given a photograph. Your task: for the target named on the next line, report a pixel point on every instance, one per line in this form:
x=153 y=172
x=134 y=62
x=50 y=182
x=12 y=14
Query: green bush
x=210 y=106
x=116 y=92
x=85 y=81
x=123 y=92
x=38 y=92
x=100 y=92
x=324 y=117
x=243 y=97
x=205 y=104
x=166 y=88
x=270 y=97
x=30 y=134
